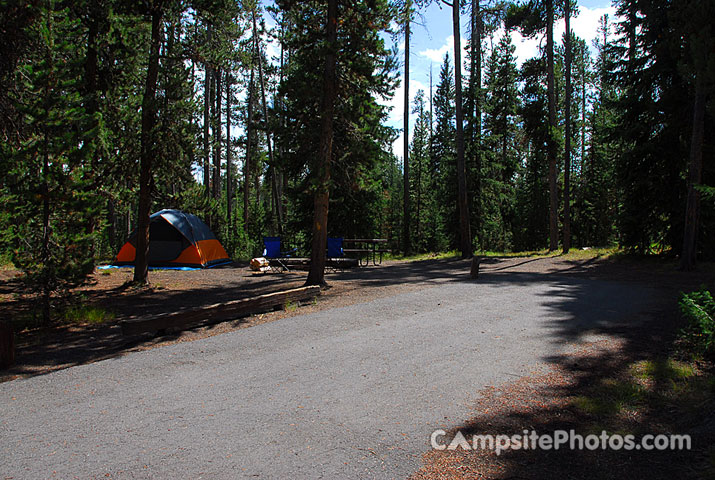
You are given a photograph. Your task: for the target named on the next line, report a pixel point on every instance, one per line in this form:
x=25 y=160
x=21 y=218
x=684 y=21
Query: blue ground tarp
x=106 y=267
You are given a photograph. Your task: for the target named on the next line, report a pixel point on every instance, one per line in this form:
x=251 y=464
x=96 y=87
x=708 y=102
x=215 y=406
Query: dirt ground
x=42 y=350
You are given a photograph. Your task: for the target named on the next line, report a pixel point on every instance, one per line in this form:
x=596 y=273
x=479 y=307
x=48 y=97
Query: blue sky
x=431 y=41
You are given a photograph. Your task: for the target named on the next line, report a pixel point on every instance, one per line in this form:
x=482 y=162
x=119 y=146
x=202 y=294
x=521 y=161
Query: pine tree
x=532 y=193
x=48 y=198
x=422 y=194
x=444 y=218
x=649 y=129
x=146 y=169
x=567 y=130
x=598 y=202
x=501 y=161
x=360 y=140
x=406 y=213
x=698 y=67
x=465 y=235
x=533 y=18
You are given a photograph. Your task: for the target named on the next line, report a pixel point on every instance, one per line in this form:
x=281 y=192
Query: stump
x=7 y=346
x=474 y=272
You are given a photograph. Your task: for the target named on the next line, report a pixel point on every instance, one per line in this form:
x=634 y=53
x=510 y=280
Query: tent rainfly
x=176 y=239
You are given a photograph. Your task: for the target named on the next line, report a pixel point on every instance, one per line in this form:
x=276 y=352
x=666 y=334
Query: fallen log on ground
x=219 y=312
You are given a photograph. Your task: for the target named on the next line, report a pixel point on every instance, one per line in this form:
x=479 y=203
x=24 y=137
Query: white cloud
x=586 y=24
x=273 y=49
x=525 y=47
x=437 y=55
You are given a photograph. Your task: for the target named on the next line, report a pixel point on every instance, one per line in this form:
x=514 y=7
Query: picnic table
x=366 y=249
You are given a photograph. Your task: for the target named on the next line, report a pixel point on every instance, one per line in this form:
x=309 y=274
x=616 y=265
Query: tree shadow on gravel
x=617 y=371
x=43 y=350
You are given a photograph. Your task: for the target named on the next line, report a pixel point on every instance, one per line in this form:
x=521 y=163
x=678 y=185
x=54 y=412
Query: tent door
x=165 y=242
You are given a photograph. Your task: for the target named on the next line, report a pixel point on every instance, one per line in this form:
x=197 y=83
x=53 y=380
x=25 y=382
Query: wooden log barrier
x=219 y=312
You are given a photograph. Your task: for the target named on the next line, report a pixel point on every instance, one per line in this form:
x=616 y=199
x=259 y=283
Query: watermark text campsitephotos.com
x=558 y=439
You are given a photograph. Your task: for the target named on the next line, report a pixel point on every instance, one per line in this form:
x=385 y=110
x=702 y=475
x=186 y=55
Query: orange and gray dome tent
x=176 y=239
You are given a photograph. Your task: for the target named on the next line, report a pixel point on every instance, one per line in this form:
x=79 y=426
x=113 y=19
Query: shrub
x=699 y=310
x=87 y=314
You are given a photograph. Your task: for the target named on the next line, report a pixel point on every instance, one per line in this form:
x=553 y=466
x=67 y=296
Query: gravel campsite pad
x=548 y=317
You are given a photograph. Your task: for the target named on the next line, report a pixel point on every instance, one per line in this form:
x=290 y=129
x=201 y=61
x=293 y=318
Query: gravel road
x=351 y=392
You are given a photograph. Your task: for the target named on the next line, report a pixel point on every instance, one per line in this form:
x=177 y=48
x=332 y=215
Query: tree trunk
x=45 y=253
x=208 y=75
x=217 y=139
x=692 y=209
x=112 y=224
x=465 y=243
x=247 y=164
x=567 y=153
x=583 y=109
x=277 y=201
x=45 y=258
x=551 y=142
x=476 y=85
x=316 y=275
x=283 y=119
x=229 y=176
x=406 y=128
x=141 y=268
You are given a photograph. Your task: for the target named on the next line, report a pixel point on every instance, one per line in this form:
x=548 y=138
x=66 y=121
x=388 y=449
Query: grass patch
x=662 y=370
x=416 y=257
x=291 y=306
x=25 y=321
x=6 y=262
x=663 y=387
x=611 y=397
x=79 y=314
x=574 y=254
x=527 y=253
x=86 y=314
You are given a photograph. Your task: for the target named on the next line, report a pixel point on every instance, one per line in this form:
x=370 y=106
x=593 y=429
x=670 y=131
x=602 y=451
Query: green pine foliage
x=423 y=195
x=362 y=164
x=597 y=197
x=443 y=221
x=652 y=110
x=501 y=157
x=698 y=309
x=72 y=85
x=532 y=193
x=51 y=215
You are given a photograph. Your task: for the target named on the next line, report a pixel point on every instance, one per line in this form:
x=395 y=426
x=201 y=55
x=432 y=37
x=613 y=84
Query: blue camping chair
x=335 y=247
x=272 y=251
x=336 y=255
x=271 y=247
